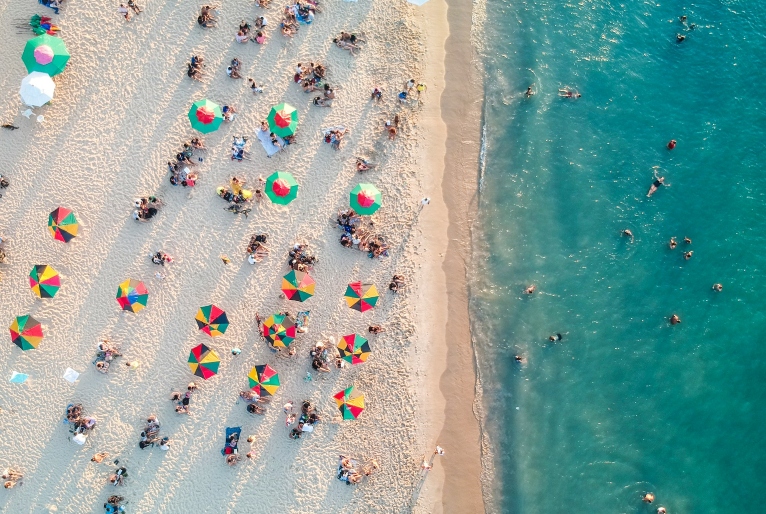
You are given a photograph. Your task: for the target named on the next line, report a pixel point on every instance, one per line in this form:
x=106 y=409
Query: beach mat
x=265 y=139
x=229 y=432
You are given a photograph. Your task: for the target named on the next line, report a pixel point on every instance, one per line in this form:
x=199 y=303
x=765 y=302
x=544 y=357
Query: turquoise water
x=626 y=403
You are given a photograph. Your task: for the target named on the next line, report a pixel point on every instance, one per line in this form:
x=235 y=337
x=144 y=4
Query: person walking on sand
x=439 y=450
x=134 y=6
x=425 y=201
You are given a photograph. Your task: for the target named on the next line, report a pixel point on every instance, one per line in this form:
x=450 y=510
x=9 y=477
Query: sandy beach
x=119 y=114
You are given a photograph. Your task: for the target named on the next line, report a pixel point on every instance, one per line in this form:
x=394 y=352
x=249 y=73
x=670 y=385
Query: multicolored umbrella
x=132 y=295
x=350 y=407
x=62 y=224
x=37 y=89
x=45 y=53
x=212 y=320
x=365 y=199
x=203 y=361
x=205 y=116
x=279 y=330
x=44 y=281
x=298 y=286
x=361 y=297
x=263 y=380
x=283 y=120
x=281 y=187
x=354 y=348
x=26 y=332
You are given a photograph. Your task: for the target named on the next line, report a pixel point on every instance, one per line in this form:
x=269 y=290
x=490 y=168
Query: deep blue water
x=626 y=403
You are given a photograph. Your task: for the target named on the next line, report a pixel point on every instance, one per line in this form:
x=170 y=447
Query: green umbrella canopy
x=205 y=116
x=281 y=187
x=283 y=120
x=365 y=199
x=45 y=53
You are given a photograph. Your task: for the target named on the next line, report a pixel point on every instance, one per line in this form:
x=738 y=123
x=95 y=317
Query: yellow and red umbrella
x=298 y=286
x=203 y=361
x=349 y=406
x=279 y=330
x=44 y=281
x=212 y=320
x=26 y=332
x=63 y=225
x=354 y=348
x=361 y=297
x=263 y=380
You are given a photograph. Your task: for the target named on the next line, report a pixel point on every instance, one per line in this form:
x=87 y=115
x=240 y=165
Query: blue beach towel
x=229 y=432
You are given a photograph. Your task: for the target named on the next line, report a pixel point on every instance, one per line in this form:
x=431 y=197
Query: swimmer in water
x=688 y=255
x=675 y=320
x=672 y=244
x=556 y=338
x=530 y=289
x=529 y=91
x=680 y=38
x=718 y=287
x=568 y=93
x=648 y=498
x=687 y=240
x=520 y=359
x=672 y=144
x=662 y=510
x=659 y=181
x=628 y=233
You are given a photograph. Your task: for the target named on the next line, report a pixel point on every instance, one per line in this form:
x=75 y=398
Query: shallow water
x=625 y=403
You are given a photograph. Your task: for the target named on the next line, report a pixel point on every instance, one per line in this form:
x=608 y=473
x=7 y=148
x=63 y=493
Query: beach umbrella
x=281 y=187
x=283 y=120
x=44 y=281
x=62 y=224
x=298 y=286
x=349 y=406
x=361 y=297
x=45 y=53
x=37 y=89
x=203 y=361
x=354 y=348
x=26 y=332
x=205 y=116
x=263 y=380
x=132 y=295
x=365 y=199
x=279 y=330
x=212 y=320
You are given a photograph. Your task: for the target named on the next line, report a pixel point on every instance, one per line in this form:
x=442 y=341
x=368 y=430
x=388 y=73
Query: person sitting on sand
x=119 y=476
x=377 y=94
x=255 y=88
x=241 y=37
x=123 y=10
x=198 y=144
x=363 y=165
x=308 y=86
x=397 y=283
x=375 y=329
x=205 y=18
x=259 y=37
x=232 y=459
x=253 y=408
x=229 y=113
x=275 y=140
x=321 y=102
x=260 y=22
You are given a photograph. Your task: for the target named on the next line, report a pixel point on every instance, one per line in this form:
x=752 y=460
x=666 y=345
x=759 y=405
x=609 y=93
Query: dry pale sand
x=118 y=116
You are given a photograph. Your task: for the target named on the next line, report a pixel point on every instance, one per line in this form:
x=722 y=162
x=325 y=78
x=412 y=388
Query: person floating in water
x=718 y=287
x=675 y=320
x=672 y=244
x=680 y=38
x=658 y=181
x=628 y=233
x=569 y=93
x=529 y=91
x=556 y=338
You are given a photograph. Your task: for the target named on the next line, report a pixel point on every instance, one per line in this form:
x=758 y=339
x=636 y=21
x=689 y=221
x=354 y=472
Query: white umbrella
x=37 y=89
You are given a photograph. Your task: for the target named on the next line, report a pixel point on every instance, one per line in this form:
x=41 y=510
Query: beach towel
x=302 y=319
x=265 y=139
x=229 y=432
x=18 y=378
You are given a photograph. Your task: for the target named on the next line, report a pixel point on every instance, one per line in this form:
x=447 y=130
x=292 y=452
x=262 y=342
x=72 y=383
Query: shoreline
x=454 y=139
